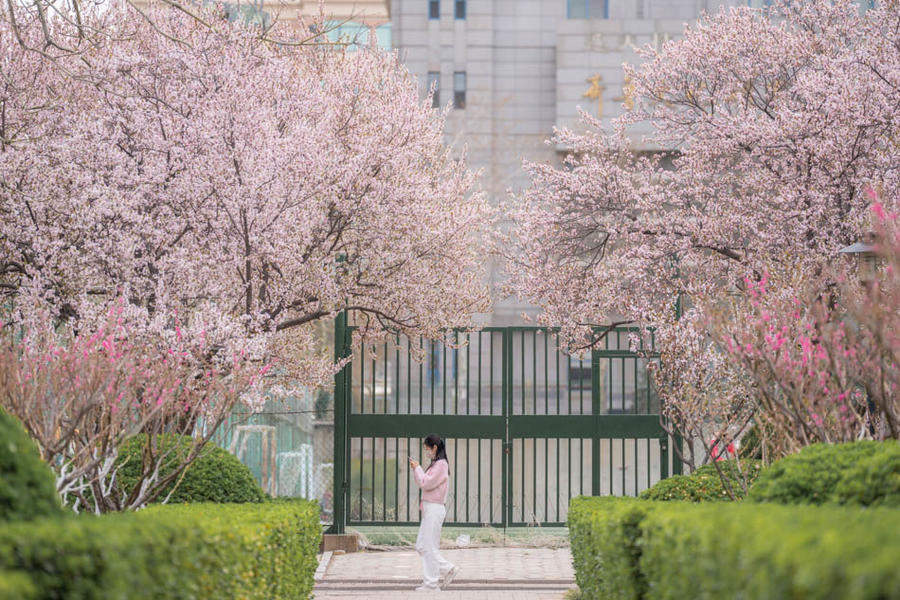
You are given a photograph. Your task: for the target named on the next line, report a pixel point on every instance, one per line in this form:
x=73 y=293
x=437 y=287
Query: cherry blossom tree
x=70 y=28
x=250 y=188
x=775 y=125
x=710 y=401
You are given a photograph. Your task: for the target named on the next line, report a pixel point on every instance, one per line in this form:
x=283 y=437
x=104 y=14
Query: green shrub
x=705 y=484
x=27 y=484
x=627 y=548
x=873 y=480
x=756 y=552
x=686 y=488
x=16 y=586
x=605 y=551
x=215 y=476
x=189 y=551
x=865 y=473
x=749 y=468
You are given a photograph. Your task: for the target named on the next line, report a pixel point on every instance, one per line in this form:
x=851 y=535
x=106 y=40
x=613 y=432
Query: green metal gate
x=527 y=426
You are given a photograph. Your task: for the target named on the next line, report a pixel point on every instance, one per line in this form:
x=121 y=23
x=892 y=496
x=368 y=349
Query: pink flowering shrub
x=823 y=355
x=81 y=394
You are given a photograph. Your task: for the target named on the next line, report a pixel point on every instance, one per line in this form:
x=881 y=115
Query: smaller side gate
x=527 y=426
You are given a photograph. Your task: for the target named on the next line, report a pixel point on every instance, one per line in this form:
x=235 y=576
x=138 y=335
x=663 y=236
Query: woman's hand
x=413 y=463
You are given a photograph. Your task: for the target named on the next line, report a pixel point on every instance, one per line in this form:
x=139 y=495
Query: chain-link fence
x=288 y=446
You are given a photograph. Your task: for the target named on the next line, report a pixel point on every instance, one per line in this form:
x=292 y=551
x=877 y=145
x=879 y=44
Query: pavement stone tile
x=485 y=574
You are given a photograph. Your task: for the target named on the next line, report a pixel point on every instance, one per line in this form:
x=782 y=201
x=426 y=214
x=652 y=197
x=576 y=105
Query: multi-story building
x=346 y=18
x=515 y=69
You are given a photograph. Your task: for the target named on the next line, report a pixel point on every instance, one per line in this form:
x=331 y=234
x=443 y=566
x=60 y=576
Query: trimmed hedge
x=632 y=549
x=605 y=536
x=16 y=586
x=704 y=484
x=865 y=473
x=214 y=476
x=189 y=551
x=27 y=484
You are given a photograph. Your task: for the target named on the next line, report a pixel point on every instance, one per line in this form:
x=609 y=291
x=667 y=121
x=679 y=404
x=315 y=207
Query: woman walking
x=434 y=482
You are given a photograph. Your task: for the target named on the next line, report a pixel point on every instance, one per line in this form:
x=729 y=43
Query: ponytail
x=434 y=441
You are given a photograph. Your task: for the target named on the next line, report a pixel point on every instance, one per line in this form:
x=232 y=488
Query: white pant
x=428 y=543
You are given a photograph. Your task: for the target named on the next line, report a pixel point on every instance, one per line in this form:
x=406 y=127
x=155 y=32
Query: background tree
x=776 y=126
x=247 y=187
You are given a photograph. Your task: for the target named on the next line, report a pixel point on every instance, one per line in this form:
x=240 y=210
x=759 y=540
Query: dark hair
x=435 y=441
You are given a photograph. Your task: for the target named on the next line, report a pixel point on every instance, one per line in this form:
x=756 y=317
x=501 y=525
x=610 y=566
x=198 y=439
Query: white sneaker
x=425 y=588
x=448 y=577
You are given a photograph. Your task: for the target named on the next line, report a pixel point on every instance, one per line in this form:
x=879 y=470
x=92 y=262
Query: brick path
x=485 y=574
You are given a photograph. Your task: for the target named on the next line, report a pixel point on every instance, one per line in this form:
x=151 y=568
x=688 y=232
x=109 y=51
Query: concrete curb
x=322 y=568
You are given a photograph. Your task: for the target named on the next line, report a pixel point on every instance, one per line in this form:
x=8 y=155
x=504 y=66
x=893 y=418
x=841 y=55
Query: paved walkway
x=485 y=574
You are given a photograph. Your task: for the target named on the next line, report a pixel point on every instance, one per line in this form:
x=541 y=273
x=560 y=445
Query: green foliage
x=27 y=484
x=705 y=484
x=627 y=548
x=605 y=549
x=188 y=551
x=872 y=481
x=748 y=468
x=215 y=476
x=865 y=473
x=686 y=488
x=16 y=586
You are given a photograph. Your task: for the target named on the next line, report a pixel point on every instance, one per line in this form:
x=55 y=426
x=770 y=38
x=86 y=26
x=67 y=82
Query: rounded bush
x=16 y=585
x=749 y=469
x=215 y=476
x=704 y=484
x=685 y=488
x=27 y=484
x=863 y=473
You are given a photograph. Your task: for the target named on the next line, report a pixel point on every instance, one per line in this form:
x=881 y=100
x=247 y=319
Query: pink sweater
x=434 y=482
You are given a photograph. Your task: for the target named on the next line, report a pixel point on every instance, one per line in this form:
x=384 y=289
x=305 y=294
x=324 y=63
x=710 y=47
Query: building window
x=587 y=9
x=459 y=89
x=434 y=9
x=460 y=9
x=434 y=83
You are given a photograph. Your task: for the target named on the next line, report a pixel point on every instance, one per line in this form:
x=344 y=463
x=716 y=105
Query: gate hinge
x=507 y=448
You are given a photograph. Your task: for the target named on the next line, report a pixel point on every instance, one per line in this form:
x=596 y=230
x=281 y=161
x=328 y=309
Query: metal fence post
x=677 y=440
x=595 y=411
x=341 y=485
x=506 y=490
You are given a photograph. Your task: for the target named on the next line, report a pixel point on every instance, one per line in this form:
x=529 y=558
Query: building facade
x=348 y=19
x=515 y=69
